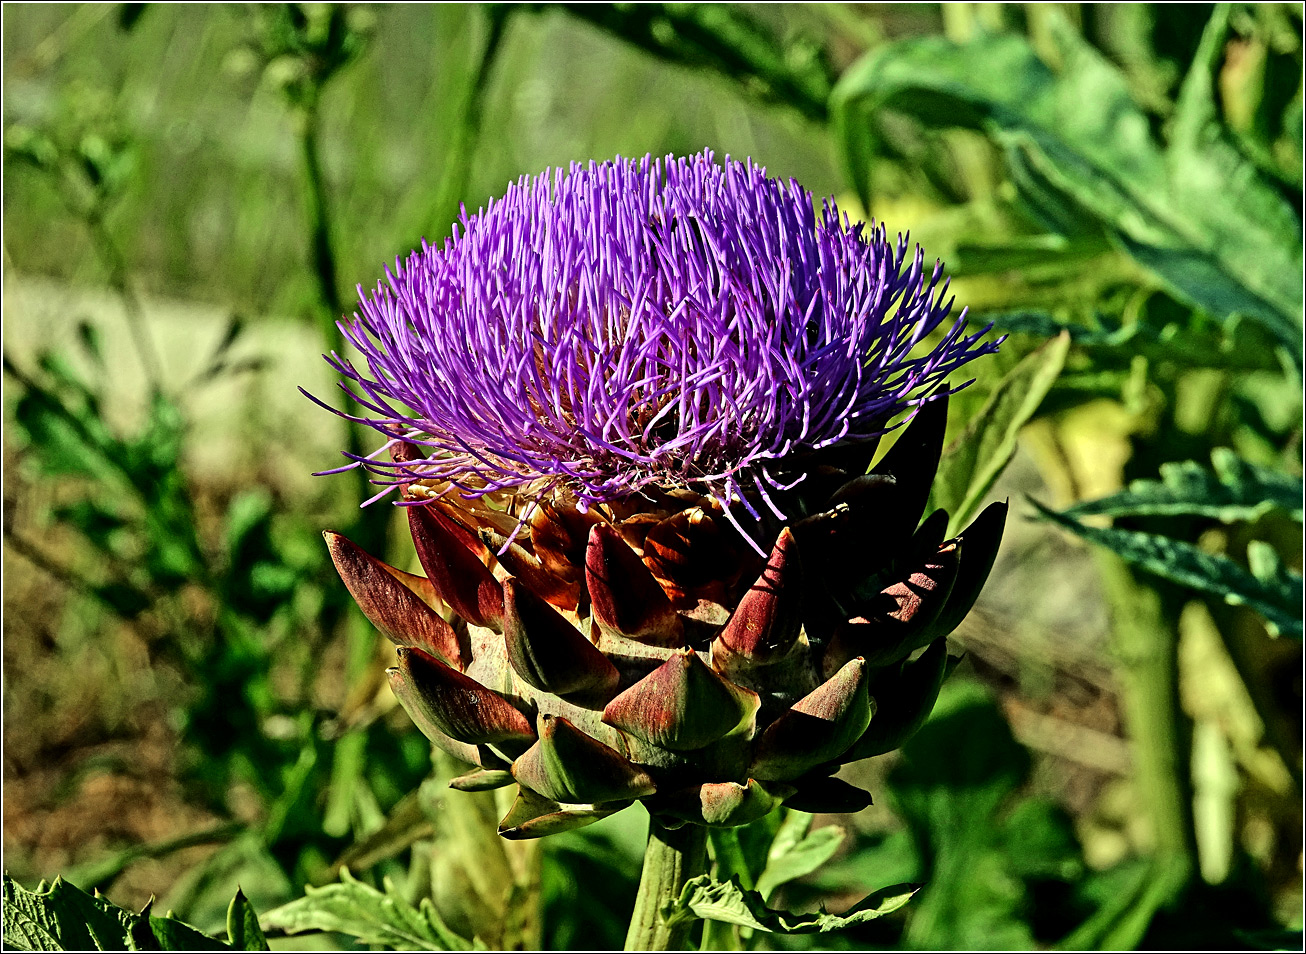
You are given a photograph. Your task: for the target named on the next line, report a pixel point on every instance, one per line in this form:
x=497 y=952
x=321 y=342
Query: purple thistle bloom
x=672 y=323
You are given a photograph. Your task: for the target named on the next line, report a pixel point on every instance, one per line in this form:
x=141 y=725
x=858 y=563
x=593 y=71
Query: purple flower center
x=646 y=322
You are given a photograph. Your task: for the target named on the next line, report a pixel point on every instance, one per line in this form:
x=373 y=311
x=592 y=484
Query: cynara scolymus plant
x=630 y=409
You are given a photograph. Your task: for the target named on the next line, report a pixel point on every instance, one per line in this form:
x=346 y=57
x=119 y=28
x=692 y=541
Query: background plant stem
x=113 y=260
x=456 y=175
x=371 y=535
x=1147 y=648
x=671 y=858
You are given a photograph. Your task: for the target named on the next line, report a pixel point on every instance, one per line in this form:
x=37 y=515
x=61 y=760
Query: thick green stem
x=671 y=858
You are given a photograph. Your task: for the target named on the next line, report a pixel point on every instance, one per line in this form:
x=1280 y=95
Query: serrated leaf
x=243 y=931
x=169 y=934
x=1234 y=490
x=704 y=898
x=800 y=859
x=972 y=463
x=62 y=917
x=1276 y=593
x=373 y=917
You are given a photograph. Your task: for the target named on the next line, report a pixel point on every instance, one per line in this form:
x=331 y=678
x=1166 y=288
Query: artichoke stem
x=671 y=858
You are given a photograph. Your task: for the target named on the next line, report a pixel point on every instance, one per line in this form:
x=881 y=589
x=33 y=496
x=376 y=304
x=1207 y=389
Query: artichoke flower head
x=629 y=409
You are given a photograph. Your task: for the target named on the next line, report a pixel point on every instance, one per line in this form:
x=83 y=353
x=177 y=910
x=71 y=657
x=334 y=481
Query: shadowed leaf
x=972 y=463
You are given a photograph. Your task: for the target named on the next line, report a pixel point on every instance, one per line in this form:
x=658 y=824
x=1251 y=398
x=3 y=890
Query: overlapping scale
x=638 y=653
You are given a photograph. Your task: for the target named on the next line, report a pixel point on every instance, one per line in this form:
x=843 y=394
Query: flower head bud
x=630 y=408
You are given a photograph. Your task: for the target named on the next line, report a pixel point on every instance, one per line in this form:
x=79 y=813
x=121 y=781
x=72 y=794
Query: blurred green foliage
x=1117 y=187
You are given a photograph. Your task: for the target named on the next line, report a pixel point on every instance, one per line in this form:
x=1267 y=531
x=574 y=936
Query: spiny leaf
x=1235 y=490
x=169 y=934
x=373 y=917
x=1271 y=589
x=704 y=898
x=973 y=462
x=63 y=917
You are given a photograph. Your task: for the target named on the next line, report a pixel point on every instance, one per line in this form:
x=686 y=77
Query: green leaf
x=588 y=882
x=97 y=523
x=704 y=898
x=972 y=463
x=726 y=39
x=219 y=359
x=63 y=917
x=373 y=917
x=244 y=864
x=956 y=779
x=243 y=931
x=88 y=336
x=57 y=436
x=890 y=856
x=104 y=871
x=258 y=578
x=1040 y=842
x=796 y=860
x=1235 y=490
x=1271 y=589
x=1272 y=939
x=170 y=934
x=123 y=598
x=1124 y=900
x=407 y=824
x=1199 y=215
x=1219 y=187
x=1194 y=341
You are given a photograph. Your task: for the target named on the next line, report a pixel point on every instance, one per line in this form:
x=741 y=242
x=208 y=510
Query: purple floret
x=646 y=322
